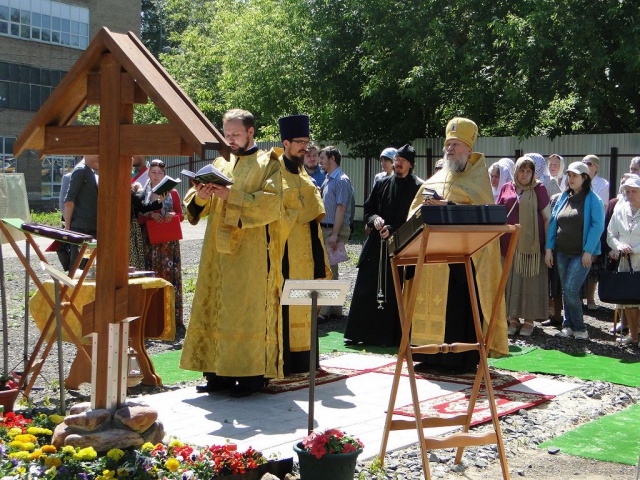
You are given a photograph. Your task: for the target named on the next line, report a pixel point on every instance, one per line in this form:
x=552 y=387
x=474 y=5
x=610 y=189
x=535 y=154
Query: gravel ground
x=521 y=432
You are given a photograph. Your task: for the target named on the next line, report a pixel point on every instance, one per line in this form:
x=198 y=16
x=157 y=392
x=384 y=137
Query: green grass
x=47 y=218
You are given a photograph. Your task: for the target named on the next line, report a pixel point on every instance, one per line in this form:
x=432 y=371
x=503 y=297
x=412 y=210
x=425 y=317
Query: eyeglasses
x=588 y=164
x=157 y=163
x=302 y=142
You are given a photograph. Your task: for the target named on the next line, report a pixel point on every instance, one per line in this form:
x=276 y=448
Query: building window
x=53 y=168
x=45 y=21
x=26 y=88
x=7 y=162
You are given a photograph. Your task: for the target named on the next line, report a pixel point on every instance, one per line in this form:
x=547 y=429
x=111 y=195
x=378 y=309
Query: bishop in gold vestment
x=435 y=318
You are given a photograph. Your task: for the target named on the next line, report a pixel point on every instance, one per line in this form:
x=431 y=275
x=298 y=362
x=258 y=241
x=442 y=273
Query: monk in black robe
x=385 y=211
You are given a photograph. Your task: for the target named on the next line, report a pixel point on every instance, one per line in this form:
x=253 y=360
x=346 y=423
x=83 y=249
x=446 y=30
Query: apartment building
x=40 y=40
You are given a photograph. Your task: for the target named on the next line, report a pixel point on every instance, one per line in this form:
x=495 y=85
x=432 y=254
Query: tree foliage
x=373 y=73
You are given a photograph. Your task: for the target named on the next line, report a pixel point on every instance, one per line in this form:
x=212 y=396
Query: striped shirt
x=336 y=190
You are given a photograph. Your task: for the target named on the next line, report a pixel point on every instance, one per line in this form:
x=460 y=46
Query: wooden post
x=113 y=193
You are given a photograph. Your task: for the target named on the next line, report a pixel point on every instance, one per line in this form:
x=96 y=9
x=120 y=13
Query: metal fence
x=614 y=151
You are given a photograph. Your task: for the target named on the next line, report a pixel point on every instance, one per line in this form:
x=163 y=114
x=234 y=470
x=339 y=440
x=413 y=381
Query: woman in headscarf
x=555 y=164
x=542 y=174
x=527 y=203
x=499 y=174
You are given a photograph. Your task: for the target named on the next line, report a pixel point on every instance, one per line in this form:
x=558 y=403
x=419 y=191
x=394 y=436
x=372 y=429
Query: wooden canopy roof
x=189 y=131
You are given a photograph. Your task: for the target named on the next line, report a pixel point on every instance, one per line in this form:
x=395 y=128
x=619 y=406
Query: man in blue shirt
x=337 y=195
x=311 y=164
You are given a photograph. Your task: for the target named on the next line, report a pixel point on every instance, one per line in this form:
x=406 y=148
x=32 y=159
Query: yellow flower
x=115 y=454
x=85 y=454
x=39 y=431
x=15 y=431
x=52 y=462
x=21 y=456
x=69 y=450
x=176 y=443
x=172 y=464
x=36 y=454
x=26 y=438
x=49 y=449
x=147 y=447
x=106 y=475
x=57 y=419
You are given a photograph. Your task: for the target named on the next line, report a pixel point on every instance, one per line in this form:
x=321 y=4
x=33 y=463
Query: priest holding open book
x=234 y=332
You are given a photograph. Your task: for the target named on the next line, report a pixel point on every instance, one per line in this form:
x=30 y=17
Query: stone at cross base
x=131 y=425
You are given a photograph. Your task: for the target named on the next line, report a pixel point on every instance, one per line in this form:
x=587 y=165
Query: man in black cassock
x=373 y=316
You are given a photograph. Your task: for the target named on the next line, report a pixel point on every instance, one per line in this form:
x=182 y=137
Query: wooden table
x=151 y=299
x=448 y=244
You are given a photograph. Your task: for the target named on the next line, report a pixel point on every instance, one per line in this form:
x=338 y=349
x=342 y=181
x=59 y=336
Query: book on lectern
x=208 y=174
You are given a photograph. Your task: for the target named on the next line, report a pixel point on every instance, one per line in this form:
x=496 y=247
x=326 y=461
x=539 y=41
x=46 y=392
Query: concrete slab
x=274 y=423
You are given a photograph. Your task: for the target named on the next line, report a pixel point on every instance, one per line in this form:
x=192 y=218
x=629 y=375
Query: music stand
x=314 y=293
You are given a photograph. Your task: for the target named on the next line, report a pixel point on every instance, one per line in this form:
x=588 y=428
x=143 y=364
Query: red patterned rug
x=301 y=380
x=456 y=404
x=499 y=379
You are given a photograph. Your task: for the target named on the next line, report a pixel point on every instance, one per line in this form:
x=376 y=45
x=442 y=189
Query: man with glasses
x=634 y=166
x=234 y=329
x=462 y=181
x=598 y=184
x=303 y=256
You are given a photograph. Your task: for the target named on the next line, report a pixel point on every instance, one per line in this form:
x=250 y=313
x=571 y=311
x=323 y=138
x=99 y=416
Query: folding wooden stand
x=48 y=333
x=448 y=244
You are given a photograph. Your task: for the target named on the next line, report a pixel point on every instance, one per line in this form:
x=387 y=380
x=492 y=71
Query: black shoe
x=181 y=330
x=240 y=391
x=216 y=385
x=552 y=322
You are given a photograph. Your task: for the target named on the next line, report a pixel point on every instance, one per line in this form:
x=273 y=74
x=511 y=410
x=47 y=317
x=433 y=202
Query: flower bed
x=26 y=452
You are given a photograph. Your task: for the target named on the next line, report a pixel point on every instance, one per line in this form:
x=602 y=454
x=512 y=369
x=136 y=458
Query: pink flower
x=330 y=442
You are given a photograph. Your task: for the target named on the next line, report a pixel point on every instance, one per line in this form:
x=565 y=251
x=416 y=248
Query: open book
x=208 y=174
x=166 y=185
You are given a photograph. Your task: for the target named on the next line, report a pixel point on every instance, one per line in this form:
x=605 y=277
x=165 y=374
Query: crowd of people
x=289 y=213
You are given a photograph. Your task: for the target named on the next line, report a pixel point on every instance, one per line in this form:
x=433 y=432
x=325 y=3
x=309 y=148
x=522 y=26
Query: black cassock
x=390 y=199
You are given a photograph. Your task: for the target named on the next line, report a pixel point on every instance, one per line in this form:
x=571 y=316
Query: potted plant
x=331 y=454
x=8 y=391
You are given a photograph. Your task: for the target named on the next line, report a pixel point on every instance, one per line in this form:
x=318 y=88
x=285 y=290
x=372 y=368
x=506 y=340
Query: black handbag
x=622 y=288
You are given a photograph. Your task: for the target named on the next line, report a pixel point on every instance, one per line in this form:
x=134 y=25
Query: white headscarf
x=561 y=171
x=506 y=176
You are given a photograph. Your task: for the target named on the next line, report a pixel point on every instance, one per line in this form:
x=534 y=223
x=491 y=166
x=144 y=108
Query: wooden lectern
x=448 y=244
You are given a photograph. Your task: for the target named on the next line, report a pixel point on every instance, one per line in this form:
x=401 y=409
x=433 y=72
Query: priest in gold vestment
x=234 y=333
x=442 y=311
x=304 y=256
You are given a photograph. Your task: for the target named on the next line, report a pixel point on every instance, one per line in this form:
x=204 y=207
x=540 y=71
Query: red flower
x=331 y=441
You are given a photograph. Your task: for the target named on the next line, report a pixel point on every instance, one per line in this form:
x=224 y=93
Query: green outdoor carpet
x=167 y=367
x=585 y=366
x=334 y=342
x=614 y=438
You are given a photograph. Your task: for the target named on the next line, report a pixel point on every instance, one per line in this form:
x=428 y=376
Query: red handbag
x=164 y=232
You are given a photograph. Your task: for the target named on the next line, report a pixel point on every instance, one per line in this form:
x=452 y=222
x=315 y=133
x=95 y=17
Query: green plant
x=46 y=218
